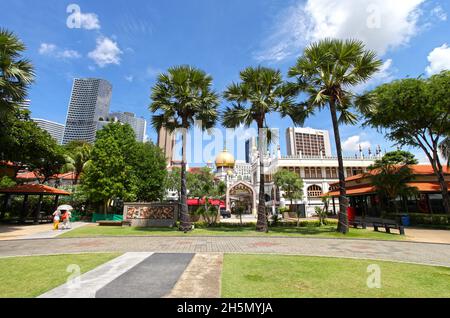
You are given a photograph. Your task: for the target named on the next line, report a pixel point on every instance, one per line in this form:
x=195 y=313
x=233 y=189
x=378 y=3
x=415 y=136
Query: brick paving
x=422 y=253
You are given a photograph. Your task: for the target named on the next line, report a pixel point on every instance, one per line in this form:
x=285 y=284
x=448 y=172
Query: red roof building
x=363 y=195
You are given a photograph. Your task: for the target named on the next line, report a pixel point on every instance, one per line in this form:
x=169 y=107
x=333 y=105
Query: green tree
x=151 y=173
x=292 y=185
x=78 y=158
x=6 y=182
x=16 y=73
x=391 y=175
x=182 y=98
x=201 y=183
x=23 y=142
x=111 y=173
x=326 y=72
x=260 y=92
x=172 y=182
x=414 y=112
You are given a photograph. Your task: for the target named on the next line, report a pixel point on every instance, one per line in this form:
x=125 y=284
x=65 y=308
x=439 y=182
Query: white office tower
x=55 y=130
x=139 y=125
x=308 y=142
x=89 y=104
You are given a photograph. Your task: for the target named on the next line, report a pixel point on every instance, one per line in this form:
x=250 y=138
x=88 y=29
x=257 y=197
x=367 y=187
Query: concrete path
x=152 y=278
x=50 y=233
x=87 y=285
x=201 y=279
x=422 y=253
x=26 y=232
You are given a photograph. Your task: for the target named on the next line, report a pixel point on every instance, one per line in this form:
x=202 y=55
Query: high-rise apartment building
x=308 y=142
x=139 y=125
x=166 y=141
x=55 y=130
x=89 y=104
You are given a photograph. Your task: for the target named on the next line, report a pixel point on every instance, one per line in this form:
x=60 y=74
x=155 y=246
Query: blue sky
x=130 y=42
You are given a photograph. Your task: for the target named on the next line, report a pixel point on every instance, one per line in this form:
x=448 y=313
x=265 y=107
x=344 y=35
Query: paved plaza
x=421 y=253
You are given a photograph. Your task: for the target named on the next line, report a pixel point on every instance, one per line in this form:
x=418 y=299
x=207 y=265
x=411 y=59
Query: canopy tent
x=31 y=189
x=198 y=202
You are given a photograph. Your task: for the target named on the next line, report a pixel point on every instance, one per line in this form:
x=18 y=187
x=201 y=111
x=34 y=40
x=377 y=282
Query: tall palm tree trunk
x=185 y=222
x=343 y=202
x=261 y=224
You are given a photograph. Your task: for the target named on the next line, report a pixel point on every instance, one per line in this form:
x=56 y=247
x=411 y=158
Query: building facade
x=309 y=155
x=308 y=142
x=55 y=130
x=89 y=104
x=166 y=141
x=139 y=125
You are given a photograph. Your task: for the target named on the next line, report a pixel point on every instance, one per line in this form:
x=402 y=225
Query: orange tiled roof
x=28 y=175
x=34 y=189
x=368 y=189
x=65 y=176
x=416 y=169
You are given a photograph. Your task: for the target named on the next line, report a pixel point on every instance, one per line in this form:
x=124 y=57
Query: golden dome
x=225 y=160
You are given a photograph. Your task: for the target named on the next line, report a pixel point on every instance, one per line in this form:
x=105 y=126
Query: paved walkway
x=28 y=232
x=423 y=253
x=88 y=284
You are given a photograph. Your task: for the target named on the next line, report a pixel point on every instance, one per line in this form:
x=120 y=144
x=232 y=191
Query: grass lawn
x=325 y=231
x=256 y=276
x=31 y=276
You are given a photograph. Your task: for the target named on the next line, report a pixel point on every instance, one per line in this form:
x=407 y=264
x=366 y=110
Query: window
x=313 y=173
x=307 y=174
x=314 y=191
x=334 y=173
x=328 y=173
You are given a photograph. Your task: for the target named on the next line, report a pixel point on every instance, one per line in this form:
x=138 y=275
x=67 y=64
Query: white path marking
x=97 y=278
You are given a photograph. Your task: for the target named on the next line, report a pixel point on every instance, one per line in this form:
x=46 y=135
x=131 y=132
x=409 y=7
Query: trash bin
x=405 y=220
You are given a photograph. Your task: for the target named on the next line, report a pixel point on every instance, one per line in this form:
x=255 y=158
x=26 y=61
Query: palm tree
x=444 y=147
x=326 y=72
x=183 y=97
x=391 y=175
x=78 y=158
x=16 y=73
x=261 y=91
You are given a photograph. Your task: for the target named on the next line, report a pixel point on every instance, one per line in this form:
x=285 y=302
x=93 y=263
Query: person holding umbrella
x=66 y=214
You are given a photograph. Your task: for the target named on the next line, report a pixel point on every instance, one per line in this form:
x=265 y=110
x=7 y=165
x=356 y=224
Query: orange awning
x=34 y=189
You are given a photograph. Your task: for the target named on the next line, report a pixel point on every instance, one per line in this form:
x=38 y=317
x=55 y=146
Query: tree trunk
x=185 y=224
x=444 y=188
x=343 y=202
x=261 y=224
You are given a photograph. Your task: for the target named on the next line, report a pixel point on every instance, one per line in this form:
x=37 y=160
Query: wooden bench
x=388 y=225
x=358 y=222
x=126 y=223
x=109 y=223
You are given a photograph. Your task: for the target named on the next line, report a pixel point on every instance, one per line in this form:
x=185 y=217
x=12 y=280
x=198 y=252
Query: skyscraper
x=139 y=125
x=55 y=130
x=308 y=142
x=89 y=104
x=166 y=141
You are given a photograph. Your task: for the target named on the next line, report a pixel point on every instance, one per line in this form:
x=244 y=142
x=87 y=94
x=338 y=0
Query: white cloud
x=439 y=59
x=88 y=21
x=107 y=52
x=52 y=50
x=381 y=24
x=129 y=78
x=439 y=13
x=47 y=48
x=354 y=142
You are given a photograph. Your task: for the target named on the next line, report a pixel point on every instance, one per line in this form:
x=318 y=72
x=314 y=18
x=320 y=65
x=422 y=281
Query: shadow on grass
x=247 y=230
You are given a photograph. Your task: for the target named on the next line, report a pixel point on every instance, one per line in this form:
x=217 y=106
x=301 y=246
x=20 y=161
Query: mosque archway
x=242 y=194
